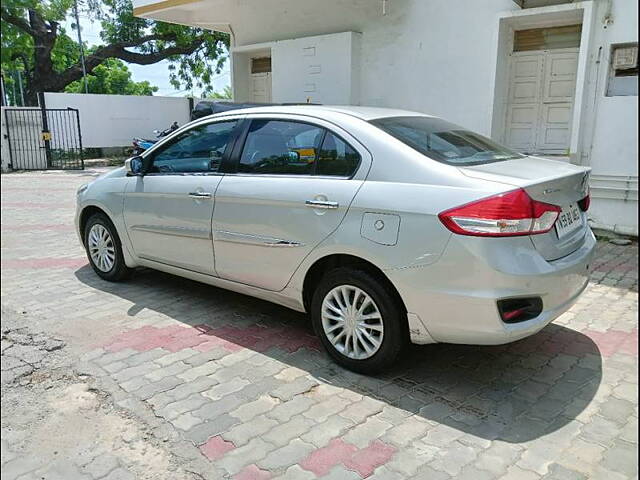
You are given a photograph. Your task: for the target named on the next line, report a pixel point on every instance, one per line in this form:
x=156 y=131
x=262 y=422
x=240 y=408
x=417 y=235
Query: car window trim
x=242 y=139
x=227 y=150
x=315 y=164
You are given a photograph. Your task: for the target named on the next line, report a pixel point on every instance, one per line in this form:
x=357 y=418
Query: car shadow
x=514 y=393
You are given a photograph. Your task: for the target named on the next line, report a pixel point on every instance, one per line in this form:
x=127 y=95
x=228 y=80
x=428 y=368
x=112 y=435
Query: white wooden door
x=261 y=87
x=540 y=105
x=554 y=132
x=524 y=100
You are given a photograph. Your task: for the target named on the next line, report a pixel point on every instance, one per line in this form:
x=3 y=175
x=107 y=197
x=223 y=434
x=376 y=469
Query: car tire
x=386 y=311
x=104 y=249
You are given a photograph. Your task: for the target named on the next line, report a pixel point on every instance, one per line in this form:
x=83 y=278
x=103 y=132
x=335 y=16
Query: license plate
x=569 y=221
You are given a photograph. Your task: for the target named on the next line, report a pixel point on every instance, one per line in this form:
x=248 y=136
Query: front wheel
x=360 y=323
x=104 y=249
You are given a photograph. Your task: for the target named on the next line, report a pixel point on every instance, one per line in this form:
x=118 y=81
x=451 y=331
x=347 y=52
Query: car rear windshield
x=445 y=142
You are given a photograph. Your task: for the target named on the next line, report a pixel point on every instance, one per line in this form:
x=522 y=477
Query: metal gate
x=44 y=138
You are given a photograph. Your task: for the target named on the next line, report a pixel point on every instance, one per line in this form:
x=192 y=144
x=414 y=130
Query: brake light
x=584 y=203
x=507 y=214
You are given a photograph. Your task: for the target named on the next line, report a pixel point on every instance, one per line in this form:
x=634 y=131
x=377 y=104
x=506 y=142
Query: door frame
x=507 y=22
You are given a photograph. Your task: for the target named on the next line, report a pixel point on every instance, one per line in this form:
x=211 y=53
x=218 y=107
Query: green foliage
x=112 y=77
x=186 y=70
x=225 y=94
x=194 y=55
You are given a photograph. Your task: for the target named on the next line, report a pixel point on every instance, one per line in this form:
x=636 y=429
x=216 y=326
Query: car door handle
x=200 y=195
x=321 y=204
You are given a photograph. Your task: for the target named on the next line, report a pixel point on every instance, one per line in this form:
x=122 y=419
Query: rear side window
x=295 y=148
x=336 y=157
x=445 y=142
x=280 y=147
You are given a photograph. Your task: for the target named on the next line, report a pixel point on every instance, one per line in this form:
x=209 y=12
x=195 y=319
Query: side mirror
x=134 y=166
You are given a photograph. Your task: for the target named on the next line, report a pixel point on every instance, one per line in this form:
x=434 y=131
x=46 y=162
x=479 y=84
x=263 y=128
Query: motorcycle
x=142 y=144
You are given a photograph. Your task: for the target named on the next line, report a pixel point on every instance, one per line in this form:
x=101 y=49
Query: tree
x=34 y=42
x=113 y=77
x=225 y=94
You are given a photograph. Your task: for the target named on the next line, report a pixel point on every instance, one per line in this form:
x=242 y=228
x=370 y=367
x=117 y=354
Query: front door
x=293 y=184
x=168 y=211
x=540 y=106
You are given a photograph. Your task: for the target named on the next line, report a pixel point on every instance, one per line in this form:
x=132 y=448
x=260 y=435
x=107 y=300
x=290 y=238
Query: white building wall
x=316 y=69
x=611 y=124
x=435 y=56
x=113 y=120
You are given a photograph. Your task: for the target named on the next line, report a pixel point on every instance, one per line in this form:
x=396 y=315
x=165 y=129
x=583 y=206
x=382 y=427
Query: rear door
x=293 y=182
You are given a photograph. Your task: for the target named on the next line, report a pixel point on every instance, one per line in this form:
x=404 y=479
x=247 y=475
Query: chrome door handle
x=200 y=195
x=321 y=204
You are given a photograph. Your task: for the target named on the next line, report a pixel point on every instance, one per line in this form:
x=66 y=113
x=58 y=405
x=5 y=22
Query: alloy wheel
x=101 y=248
x=352 y=322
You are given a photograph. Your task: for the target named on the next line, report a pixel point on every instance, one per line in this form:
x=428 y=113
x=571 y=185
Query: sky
x=156 y=74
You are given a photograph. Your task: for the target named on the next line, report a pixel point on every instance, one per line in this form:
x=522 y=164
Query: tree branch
x=118 y=50
x=17 y=21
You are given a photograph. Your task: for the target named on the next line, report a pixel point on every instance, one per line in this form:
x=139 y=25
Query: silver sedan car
x=386 y=226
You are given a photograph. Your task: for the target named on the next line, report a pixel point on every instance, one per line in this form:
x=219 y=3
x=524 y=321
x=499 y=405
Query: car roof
x=364 y=113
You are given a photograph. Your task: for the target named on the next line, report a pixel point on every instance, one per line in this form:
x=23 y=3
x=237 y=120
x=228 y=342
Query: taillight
x=584 y=203
x=504 y=215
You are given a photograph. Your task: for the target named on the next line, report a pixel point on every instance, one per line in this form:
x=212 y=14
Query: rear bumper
x=456 y=298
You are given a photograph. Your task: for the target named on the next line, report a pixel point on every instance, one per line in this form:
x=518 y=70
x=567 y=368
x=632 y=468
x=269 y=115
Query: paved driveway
x=162 y=377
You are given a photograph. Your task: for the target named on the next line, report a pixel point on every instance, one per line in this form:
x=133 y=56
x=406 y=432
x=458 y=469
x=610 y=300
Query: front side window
x=198 y=150
x=280 y=147
x=445 y=142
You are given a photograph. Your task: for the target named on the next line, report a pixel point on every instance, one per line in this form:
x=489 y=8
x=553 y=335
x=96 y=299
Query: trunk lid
x=549 y=181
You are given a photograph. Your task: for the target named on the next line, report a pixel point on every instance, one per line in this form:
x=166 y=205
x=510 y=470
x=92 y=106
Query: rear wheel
x=104 y=249
x=360 y=323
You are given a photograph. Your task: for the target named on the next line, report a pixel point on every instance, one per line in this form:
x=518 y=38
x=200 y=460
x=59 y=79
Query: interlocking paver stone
x=289 y=390
x=204 y=430
x=321 y=433
x=290 y=454
x=283 y=433
x=249 y=410
x=256 y=427
x=364 y=433
x=284 y=411
x=246 y=455
x=326 y=408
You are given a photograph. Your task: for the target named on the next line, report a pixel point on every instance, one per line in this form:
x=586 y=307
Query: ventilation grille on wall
x=625 y=57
